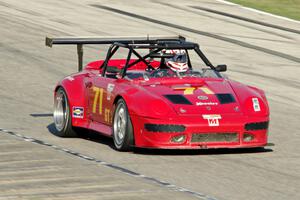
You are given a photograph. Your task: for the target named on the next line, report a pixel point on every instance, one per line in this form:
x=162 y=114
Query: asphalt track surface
x=35 y=164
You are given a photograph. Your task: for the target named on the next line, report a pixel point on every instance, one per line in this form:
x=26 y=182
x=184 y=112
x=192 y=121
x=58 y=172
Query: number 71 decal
x=98 y=92
x=99 y=98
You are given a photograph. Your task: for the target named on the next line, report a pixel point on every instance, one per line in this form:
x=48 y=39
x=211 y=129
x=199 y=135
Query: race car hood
x=193 y=96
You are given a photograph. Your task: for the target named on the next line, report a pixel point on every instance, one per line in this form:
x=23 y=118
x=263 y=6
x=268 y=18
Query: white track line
x=258 y=11
x=121 y=169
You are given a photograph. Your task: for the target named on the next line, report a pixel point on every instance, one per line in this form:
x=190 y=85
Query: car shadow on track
x=96 y=137
x=177 y=152
x=87 y=135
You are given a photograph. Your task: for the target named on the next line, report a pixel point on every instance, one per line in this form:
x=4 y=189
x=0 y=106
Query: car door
x=101 y=99
x=102 y=89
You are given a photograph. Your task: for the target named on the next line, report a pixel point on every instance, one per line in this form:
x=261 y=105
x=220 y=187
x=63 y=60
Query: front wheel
x=62 y=116
x=122 y=127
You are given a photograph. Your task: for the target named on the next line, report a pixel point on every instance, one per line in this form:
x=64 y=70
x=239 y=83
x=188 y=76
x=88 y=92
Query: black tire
x=122 y=127
x=62 y=115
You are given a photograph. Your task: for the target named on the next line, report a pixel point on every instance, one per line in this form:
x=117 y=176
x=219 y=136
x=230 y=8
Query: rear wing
x=80 y=41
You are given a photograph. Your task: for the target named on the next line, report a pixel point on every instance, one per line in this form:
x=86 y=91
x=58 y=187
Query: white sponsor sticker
x=213 y=120
x=110 y=88
x=256 y=105
x=202 y=97
x=206 y=103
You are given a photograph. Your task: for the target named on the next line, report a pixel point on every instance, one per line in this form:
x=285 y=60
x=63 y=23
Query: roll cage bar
x=153 y=43
x=153 y=48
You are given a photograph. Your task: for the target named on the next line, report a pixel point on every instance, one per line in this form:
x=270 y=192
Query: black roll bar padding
x=203 y=57
x=80 y=56
x=189 y=60
x=141 y=58
x=144 y=57
x=111 y=51
x=127 y=63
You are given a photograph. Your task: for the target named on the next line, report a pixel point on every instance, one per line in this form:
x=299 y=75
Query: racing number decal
x=191 y=90
x=97 y=92
x=99 y=98
x=107 y=116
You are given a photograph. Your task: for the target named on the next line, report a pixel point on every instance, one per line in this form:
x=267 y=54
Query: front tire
x=62 y=115
x=122 y=127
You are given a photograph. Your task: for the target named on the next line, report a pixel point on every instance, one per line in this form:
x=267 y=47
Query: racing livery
x=161 y=92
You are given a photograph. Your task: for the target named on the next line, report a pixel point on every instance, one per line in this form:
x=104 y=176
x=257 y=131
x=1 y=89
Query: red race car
x=158 y=92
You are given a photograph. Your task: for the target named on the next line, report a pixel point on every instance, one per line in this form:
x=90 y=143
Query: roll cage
x=154 y=48
x=154 y=44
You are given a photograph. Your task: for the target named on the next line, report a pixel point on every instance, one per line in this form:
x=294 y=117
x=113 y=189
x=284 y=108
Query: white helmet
x=178 y=62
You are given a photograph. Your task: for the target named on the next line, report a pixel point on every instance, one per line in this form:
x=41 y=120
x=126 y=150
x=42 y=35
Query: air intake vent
x=257 y=126
x=214 y=137
x=177 y=99
x=225 y=98
x=164 y=128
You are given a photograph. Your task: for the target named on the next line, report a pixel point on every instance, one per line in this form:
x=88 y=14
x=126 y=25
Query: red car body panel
x=147 y=104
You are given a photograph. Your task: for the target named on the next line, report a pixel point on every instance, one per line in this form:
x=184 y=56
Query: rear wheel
x=62 y=115
x=122 y=127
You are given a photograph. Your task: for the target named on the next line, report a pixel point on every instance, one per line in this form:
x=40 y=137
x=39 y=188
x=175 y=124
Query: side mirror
x=221 y=68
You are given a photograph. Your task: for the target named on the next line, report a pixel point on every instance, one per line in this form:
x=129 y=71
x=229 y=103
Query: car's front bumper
x=232 y=132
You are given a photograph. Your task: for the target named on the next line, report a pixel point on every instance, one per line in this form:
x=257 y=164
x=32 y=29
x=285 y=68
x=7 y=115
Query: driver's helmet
x=177 y=63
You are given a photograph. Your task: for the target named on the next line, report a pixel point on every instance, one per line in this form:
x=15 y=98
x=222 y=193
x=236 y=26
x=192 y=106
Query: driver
x=177 y=63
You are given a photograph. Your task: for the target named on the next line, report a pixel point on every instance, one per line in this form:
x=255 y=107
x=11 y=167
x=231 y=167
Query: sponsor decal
x=213 y=120
x=206 y=90
x=110 y=88
x=206 y=103
x=78 y=112
x=189 y=90
x=256 y=105
x=202 y=97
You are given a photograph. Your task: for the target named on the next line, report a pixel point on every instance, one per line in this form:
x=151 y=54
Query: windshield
x=167 y=73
